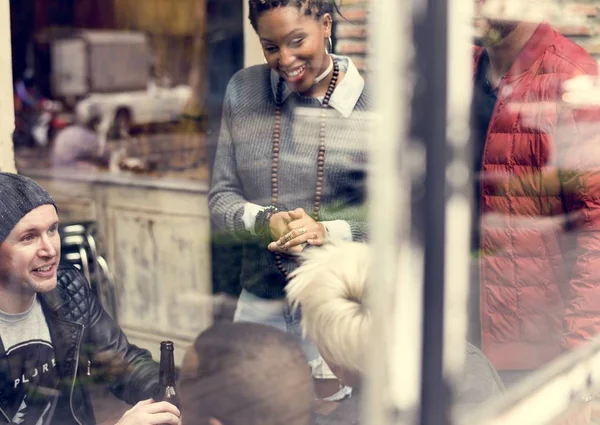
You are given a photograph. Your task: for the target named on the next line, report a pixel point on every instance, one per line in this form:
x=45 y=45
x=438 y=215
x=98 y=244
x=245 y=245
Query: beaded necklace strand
x=320 y=154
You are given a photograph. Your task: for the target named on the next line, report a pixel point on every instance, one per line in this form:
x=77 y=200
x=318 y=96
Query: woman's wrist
x=263 y=217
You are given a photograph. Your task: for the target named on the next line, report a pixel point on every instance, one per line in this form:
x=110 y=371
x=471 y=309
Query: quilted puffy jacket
x=79 y=327
x=540 y=208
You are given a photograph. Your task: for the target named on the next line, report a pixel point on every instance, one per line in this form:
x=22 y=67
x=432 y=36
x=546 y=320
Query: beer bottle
x=167 y=391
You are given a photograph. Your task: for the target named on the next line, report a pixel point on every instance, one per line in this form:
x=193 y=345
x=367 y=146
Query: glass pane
x=210 y=164
x=534 y=127
x=124 y=111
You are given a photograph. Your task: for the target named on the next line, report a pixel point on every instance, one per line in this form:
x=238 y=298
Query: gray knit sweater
x=242 y=171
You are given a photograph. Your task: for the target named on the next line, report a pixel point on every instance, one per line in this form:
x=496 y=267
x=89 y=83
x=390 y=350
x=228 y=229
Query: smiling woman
x=294 y=44
x=291 y=159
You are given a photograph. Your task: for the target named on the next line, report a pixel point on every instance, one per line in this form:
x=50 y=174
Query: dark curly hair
x=316 y=8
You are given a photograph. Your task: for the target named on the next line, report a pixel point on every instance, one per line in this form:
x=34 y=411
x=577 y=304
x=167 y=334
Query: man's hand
x=149 y=412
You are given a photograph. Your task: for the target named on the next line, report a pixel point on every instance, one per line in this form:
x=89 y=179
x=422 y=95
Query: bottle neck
x=167 y=368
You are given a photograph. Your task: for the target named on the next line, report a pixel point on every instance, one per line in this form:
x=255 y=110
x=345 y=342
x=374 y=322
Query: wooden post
x=253 y=54
x=7 y=114
x=194 y=109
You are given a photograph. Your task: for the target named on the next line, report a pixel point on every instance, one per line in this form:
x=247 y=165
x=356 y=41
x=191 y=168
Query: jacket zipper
x=5 y=415
x=74 y=379
x=497 y=107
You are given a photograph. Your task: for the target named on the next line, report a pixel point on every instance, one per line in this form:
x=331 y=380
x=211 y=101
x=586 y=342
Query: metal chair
x=108 y=288
x=81 y=249
x=74 y=251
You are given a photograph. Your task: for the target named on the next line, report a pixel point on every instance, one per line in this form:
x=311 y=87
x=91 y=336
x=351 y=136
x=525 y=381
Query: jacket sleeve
x=359 y=222
x=357 y=225
x=140 y=380
x=225 y=199
x=578 y=160
x=351 y=206
x=359 y=230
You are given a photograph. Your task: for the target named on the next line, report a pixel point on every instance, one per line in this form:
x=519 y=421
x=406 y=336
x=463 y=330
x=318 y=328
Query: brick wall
x=583 y=24
x=351 y=33
x=579 y=20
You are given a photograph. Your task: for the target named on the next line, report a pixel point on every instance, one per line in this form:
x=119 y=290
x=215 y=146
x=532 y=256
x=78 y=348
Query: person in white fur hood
x=331 y=286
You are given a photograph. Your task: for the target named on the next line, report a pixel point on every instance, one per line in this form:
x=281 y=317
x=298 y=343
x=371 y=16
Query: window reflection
x=534 y=192
x=191 y=185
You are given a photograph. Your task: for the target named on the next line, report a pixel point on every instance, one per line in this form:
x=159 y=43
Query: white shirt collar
x=345 y=95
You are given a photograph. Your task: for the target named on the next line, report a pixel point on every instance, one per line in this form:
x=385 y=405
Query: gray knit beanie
x=18 y=196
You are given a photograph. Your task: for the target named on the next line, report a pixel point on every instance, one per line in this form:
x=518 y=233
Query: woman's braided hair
x=316 y=8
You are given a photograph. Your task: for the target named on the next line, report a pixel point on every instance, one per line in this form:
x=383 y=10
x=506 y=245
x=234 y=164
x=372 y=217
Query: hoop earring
x=330 y=45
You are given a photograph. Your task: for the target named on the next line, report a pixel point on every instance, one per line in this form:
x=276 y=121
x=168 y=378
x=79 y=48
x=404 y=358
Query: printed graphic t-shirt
x=33 y=378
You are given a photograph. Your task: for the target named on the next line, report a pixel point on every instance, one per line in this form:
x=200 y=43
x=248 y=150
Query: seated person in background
x=27 y=97
x=54 y=333
x=330 y=286
x=245 y=374
x=82 y=141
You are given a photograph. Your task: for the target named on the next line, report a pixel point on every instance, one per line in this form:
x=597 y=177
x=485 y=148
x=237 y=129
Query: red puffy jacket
x=540 y=209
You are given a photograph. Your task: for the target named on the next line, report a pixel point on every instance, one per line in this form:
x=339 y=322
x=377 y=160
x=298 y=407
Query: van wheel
x=122 y=124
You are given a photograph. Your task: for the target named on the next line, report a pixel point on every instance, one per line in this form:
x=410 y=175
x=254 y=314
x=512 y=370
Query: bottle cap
x=167 y=345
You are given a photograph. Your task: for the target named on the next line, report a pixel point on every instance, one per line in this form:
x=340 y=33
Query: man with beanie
x=53 y=330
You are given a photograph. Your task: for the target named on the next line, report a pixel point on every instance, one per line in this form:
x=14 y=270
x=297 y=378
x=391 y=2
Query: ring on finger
x=288 y=237
x=302 y=230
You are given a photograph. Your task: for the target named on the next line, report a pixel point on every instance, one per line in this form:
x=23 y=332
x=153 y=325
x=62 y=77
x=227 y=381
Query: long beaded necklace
x=320 y=154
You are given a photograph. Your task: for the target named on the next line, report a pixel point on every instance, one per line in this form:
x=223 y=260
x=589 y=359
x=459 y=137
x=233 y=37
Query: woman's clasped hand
x=291 y=231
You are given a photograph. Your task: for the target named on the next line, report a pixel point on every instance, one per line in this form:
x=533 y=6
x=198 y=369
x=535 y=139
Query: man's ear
x=213 y=421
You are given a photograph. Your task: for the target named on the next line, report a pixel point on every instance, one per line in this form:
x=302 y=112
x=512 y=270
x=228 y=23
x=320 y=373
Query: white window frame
x=7 y=117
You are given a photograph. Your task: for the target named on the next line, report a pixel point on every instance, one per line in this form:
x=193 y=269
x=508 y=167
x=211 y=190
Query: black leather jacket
x=79 y=328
